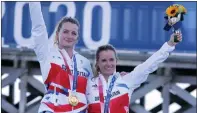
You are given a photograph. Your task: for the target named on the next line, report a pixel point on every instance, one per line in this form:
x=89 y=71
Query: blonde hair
x=96 y=69
x=59 y=26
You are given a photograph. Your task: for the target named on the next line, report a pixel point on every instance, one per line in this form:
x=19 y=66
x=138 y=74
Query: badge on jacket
x=63 y=67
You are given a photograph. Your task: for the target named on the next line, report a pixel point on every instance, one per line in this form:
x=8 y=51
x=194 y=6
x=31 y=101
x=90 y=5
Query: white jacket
x=124 y=85
x=55 y=78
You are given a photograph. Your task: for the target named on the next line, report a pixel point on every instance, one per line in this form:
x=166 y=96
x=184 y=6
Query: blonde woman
x=64 y=71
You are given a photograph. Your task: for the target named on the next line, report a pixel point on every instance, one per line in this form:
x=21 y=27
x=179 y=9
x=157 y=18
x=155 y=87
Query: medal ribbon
x=107 y=100
x=74 y=72
x=101 y=93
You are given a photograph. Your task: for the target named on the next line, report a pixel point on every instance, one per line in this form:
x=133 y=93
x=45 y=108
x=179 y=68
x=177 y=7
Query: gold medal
x=73 y=100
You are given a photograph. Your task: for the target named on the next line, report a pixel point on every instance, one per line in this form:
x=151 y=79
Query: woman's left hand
x=179 y=38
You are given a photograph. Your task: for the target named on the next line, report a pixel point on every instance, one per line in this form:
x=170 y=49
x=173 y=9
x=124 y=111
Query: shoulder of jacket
x=54 y=51
x=82 y=57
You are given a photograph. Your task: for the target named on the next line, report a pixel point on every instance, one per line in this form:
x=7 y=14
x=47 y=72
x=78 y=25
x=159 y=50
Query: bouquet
x=174 y=16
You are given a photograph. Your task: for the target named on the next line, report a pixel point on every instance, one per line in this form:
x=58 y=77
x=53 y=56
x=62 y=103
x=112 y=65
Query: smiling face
x=67 y=32
x=106 y=60
x=68 y=35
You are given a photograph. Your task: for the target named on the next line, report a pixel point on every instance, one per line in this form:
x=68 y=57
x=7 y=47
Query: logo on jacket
x=63 y=67
x=95 y=86
x=115 y=93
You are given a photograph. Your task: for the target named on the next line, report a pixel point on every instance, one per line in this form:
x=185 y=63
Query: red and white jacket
x=56 y=79
x=124 y=85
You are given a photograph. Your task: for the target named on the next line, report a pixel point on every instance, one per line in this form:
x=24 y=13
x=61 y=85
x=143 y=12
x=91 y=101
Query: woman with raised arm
x=64 y=71
x=108 y=91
